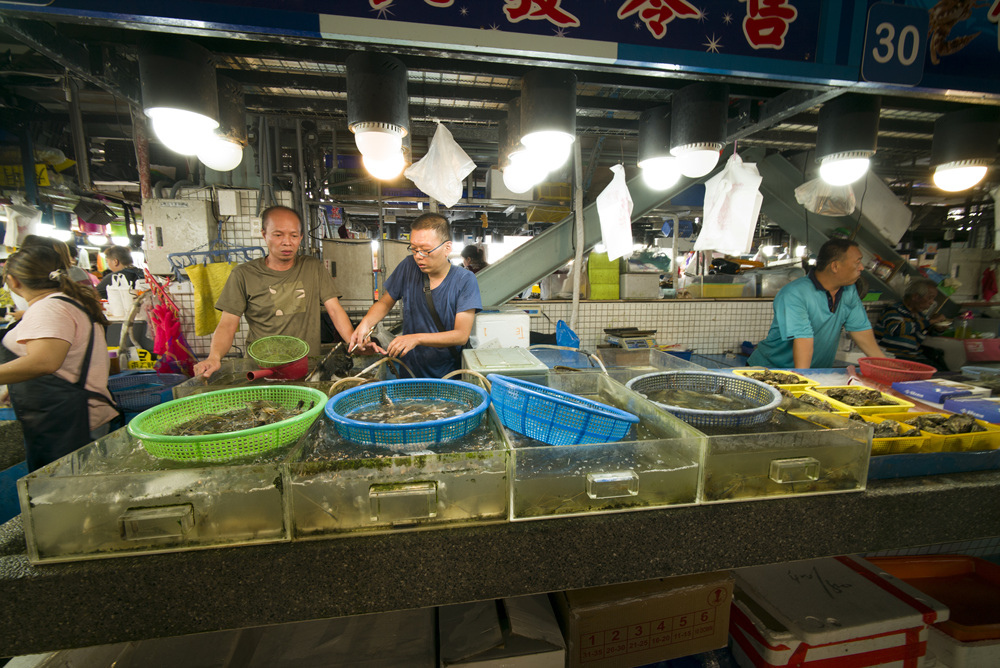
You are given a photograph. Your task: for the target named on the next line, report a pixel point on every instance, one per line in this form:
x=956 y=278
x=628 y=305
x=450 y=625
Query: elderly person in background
x=903 y=326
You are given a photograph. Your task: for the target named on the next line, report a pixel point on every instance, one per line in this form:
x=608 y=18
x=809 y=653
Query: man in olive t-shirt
x=282 y=293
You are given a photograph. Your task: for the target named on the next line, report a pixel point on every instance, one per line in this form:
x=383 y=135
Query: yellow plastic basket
x=892 y=404
x=897 y=445
x=805 y=382
x=979 y=440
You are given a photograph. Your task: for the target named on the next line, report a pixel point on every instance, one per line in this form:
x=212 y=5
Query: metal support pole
x=79 y=138
x=579 y=241
x=306 y=218
x=28 y=163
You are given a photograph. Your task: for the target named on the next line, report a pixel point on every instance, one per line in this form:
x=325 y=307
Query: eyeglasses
x=423 y=253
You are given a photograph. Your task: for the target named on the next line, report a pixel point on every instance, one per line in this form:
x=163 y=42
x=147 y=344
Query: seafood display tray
x=800 y=384
x=890 y=404
x=112 y=498
x=978 y=440
x=656 y=464
x=789 y=456
x=337 y=488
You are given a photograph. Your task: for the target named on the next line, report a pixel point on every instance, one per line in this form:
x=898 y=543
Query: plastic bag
x=440 y=173
x=820 y=197
x=565 y=336
x=732 y=206
x=614 y=209
x=21 y=220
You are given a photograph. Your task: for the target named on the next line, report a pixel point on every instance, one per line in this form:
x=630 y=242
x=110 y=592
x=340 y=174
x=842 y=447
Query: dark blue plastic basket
x=404 y=437
x=137 y=392
x=555 y=417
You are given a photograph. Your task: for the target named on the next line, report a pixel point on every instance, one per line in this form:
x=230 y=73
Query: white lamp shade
x=385 y=169
x=842 y=171
x=378 y=145
x=660 y=173
x=551 y=146
x=181 y=131
x=221 y=154
x=696 y=162
x=523 y=172
x=956 y=176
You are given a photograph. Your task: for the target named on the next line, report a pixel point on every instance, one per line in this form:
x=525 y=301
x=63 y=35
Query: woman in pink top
x=55 y=360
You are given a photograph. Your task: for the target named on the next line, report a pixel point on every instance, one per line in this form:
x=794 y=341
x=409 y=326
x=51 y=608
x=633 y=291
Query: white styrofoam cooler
x=506 y=329
x=839 y=612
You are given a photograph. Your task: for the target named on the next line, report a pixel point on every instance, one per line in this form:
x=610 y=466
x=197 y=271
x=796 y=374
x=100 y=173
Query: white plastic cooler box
x=503 y=329
x=839 y=612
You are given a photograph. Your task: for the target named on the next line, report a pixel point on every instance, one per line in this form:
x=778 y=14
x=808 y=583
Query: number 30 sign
x=895 y=44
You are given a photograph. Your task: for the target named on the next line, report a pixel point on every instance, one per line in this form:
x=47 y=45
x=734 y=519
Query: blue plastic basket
x=555 y=417
x=136 y=392
x=766 y=397
x=405 y=437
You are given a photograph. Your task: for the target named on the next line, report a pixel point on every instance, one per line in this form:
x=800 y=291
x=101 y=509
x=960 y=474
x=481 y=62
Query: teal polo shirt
x=804 y=310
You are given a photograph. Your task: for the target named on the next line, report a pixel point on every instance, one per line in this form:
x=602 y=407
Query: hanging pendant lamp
x=965 y=145
x=377 y=111
x=847 y=137
x=660 y=169
x=548 y=115
x=698 y=116
x=522 y=171
x=224 y=152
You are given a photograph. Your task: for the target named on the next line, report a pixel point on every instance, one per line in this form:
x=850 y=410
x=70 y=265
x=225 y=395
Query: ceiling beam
x=119 y=78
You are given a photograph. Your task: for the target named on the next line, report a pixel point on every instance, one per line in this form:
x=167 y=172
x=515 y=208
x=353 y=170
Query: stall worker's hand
x=401 y=345
x=206 y=368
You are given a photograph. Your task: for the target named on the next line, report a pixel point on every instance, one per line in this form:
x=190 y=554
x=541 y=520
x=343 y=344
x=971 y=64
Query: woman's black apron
x=53 y=412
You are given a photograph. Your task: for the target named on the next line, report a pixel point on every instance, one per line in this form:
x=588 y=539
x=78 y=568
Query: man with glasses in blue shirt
x=439 y=302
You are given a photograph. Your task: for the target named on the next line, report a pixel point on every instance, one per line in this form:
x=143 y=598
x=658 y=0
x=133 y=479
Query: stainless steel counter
x=96 y=602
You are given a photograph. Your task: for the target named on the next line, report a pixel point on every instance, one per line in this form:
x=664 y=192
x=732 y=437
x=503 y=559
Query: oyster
x=859 y=396
x=776 y=377
x=893 y=429
x=937 y=423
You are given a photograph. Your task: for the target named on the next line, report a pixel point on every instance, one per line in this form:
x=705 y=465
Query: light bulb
x=549 y=146
x=221 y=154
x=660 y=173
x=961 y=175
x=97 y=239
x=696 y=161
x=378 y=144
x=523 y=172
x=840 y=171
x=182 y=131
x=385 y=169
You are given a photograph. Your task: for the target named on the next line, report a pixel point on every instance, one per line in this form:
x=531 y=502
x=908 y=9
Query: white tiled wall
x=707 y=327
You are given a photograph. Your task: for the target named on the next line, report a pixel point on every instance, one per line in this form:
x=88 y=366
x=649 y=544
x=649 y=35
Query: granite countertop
x=112 y=600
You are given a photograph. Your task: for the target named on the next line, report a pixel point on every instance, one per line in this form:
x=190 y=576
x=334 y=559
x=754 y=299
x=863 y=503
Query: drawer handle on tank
x=398 y=502
x=157 y=522
x=612 y=485
x=797 y=469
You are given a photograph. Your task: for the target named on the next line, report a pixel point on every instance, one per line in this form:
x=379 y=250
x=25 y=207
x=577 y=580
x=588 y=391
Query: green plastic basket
x=149 y=426
x=273 y=351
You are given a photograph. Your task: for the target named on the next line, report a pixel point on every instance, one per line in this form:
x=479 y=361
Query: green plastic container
x=149 y=426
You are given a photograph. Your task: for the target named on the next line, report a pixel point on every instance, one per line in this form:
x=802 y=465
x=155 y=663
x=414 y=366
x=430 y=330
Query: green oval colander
x=149 y=426
x=273 y=351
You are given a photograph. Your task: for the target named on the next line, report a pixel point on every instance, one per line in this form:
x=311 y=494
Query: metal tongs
x=366 y=339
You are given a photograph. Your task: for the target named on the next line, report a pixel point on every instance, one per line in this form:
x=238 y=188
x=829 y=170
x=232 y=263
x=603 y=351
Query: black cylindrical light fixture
x=377 y=110
x=521 y=169
x=225 y=151
x=964 y=147
x=180 y=93
x=698 y=118
x=548 y=114
x=847 y=137
x=660 y=169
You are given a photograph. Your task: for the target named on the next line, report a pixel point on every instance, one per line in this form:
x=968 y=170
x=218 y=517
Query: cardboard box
x=639 y=286
x=519 y=632
x=619 y=626
x=830 y=613
x=936 y=390
x=984 y=408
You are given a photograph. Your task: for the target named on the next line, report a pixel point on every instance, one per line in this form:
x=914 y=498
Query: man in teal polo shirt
x=809 y=314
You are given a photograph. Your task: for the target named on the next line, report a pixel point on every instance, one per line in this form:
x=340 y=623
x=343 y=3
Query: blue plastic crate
x=135 y=392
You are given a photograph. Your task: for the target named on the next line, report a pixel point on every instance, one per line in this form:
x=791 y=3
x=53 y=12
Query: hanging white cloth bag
x=614 y=209
x=732 y=206
x=440 y=173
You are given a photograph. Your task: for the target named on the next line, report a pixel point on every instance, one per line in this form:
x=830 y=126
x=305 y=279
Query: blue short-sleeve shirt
x=458 y=292
x=802 y=311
